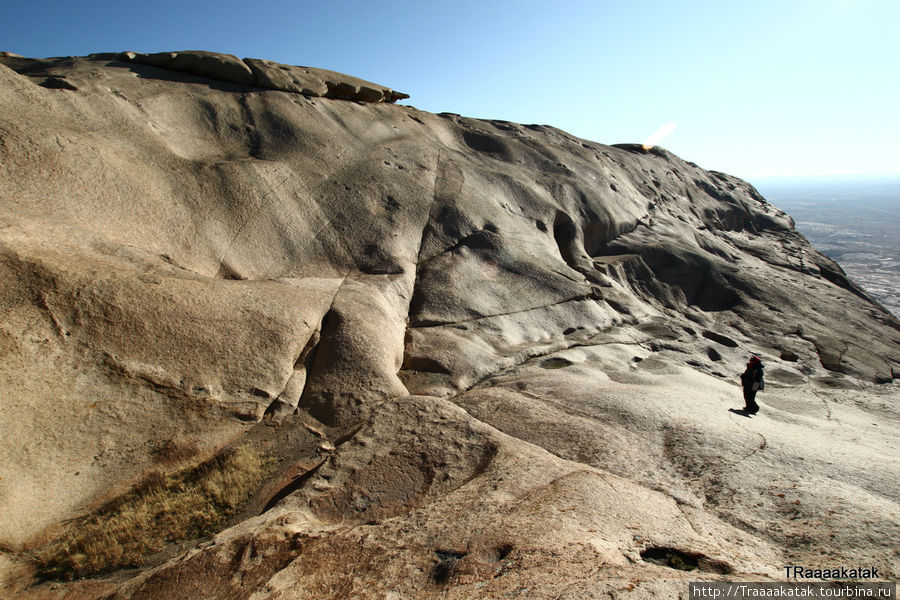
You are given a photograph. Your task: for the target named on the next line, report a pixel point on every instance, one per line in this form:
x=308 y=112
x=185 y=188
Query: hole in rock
x=789 y=356
x=446 y=561
x=618 y=306
x=565 y=234
x=720 y=339
x=684 y=560
x=483 y=142
x=424 y=364
x=503 y=551
x=556 y=363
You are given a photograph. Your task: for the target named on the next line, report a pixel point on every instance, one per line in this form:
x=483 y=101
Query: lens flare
x=660 y=134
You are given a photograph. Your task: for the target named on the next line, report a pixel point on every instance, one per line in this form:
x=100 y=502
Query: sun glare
x=660 y=134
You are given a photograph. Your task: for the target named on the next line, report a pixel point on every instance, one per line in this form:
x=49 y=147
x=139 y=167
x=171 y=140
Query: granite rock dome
x=478 y=356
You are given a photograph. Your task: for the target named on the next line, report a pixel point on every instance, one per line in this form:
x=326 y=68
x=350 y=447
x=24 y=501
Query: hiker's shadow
x=741 y=411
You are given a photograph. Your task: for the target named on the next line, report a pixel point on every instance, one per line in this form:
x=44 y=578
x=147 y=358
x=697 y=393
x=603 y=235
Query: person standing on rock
x=752 y=382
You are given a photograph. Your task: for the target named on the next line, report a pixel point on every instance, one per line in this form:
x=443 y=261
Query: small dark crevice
x=329 y=324
x=255 y=138
x=684 y=560
x=486 y=238
x=618 y=306
x=565 y=233
x=303 y=362
x=481 y=141
x=375 y=260
x=424 y=364
x=720 y=339
x=446 y=562
x=423 y=323
x=290 y=488
x=556 y=362
x=503 y=551
x=226 y=271
x=490 y=453
x=349 y=434
x=57 y=82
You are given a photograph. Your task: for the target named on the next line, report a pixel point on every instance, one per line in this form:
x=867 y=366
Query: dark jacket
x=753 y=375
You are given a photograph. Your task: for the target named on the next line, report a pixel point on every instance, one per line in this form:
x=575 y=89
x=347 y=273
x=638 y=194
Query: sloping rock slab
x=268 y=74
x=319 y=82
x=224 y=67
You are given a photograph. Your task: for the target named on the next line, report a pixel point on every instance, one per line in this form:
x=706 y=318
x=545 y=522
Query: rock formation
x=477 y=358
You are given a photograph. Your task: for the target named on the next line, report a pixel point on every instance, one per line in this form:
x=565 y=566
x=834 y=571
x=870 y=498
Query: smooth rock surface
x=228 y=68
x=499 y=357
x=206 y=64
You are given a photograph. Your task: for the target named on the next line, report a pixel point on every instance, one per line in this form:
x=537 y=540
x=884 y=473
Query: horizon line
x=823 y=175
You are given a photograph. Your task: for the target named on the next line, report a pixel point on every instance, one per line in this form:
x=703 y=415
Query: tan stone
x=478 y=352
x=318 y=82
x=214 y=65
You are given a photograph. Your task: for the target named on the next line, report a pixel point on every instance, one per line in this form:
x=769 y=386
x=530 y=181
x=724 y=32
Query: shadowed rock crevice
x=57 y=83
x=424 y=364
x=320 y=358
x=720 y=339
x=677 y=277
x=684 y=560
x=290 y=396
x=445 y=562
x=427 y=324
x=566 y=235
x=297 y=479
x=484 y=142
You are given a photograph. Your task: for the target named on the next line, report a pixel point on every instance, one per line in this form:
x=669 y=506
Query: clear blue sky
x=762 y=87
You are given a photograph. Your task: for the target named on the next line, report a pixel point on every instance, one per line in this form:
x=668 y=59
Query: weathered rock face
x=228 y=68
x=519 y=345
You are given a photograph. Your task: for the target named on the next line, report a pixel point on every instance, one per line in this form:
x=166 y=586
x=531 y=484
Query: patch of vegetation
x=162 y=508
x=172 y=451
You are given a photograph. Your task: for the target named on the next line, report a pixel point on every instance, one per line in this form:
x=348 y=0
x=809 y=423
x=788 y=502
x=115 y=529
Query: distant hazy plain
x=853 y=219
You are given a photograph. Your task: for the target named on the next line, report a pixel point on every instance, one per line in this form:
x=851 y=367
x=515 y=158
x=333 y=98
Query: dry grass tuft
x=160 y=509
x=172 y=451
